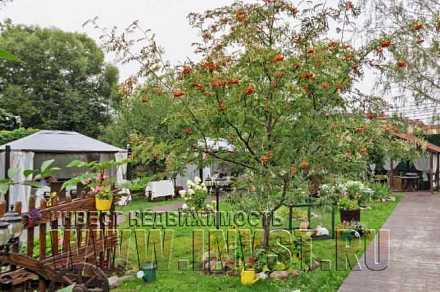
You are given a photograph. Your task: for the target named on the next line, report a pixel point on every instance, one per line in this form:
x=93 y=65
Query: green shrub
x=9 y=136
x=348 y=204
x=380 y=191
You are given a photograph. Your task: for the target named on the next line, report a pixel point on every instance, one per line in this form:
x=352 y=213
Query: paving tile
x=414 y=250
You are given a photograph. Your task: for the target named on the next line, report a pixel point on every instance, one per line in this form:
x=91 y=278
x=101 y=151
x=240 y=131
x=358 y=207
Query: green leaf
x=3 y=189
x=12 y=172
x=28 y=172
x=36 y=185
x=77 y=163
x=70 y=183
x=7 y=56
x=46 y=165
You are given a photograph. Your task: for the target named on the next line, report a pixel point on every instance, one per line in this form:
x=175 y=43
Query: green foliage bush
x=9 y=136
x=380 y=191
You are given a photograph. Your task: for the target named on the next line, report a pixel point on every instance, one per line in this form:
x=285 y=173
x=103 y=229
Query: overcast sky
x=167 y=18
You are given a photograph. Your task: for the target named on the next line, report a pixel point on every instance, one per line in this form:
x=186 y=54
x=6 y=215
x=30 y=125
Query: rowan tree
x=271 y=82
x=408 y=51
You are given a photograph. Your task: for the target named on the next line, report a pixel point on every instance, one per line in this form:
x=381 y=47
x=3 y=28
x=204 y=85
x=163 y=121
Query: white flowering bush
x=196 y=195
x=348 y=194
x=327 y=190
x=358 y=191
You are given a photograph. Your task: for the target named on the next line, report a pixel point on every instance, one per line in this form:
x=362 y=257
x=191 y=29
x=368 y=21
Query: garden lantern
x=5 y=235
x=15 y=223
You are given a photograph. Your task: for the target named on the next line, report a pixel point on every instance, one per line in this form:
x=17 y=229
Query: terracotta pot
x=350 y=215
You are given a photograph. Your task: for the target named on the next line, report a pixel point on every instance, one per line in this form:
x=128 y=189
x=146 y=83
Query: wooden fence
x=55 y=237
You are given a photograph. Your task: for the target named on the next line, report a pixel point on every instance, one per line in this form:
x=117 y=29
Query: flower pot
x=103 y=204
x=350 y=215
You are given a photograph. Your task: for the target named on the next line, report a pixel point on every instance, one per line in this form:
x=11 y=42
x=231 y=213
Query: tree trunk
x=267 y=219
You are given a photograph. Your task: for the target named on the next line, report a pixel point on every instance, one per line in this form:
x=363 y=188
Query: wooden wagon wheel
x=33 y=266
x=86 y=276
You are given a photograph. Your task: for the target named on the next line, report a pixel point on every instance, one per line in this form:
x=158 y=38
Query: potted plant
x=101 y=185
x=349 y=196
x=349 y=209
x=103 y=198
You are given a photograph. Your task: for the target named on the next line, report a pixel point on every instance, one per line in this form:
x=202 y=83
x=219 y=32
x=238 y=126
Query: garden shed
x=62 y=146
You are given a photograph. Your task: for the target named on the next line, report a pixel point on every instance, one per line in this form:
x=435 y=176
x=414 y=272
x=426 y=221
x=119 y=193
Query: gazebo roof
x=60 y=142
x=411 y=138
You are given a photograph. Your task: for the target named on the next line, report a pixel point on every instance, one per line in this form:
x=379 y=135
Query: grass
x=318 y=280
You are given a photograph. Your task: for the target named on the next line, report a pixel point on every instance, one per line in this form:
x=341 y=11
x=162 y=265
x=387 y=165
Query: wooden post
x=2 y=208
x=437 y=173
x=7 y=166
x=430 y=172
x=18 y=207
x=390 y=174
x=42 y=241
x=30 y=230
x=54 y=231
x=16 y=246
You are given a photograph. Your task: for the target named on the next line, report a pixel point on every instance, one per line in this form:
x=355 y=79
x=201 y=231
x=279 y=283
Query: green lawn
x=141 y=203
x=318 y=280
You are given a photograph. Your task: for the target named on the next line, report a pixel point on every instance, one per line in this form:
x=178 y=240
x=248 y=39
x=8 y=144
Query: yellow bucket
x=248 y=277
x=103 y=205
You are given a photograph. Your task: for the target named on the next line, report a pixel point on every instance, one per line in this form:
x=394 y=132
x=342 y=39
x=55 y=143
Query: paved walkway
x=414 y=250
x=166 y=208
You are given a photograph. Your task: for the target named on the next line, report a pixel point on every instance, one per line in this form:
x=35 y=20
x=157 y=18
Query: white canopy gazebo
x=428 y=164
x=192 y=170
x=62 y=146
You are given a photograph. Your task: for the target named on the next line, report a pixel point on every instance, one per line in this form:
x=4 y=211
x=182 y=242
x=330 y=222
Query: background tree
x=61 y=81
x=142 y=122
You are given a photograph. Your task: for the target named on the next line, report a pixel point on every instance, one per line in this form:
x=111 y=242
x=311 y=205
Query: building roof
x=60 y=142
x=411 y=138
